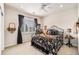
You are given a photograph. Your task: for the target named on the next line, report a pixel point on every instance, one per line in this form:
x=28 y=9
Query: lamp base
x=69 y=45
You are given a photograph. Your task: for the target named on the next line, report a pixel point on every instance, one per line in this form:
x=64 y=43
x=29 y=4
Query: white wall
x=78 y=10
x=64 y=19
x=0 y=31
x=11 y=15
x=2 y=26
x=78 y=28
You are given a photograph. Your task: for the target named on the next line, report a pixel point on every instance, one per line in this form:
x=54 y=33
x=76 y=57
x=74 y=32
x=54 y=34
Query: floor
x=65 y=50
x=27 y=49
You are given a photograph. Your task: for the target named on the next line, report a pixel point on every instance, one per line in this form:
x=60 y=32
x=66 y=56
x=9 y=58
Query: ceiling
x=36 y=8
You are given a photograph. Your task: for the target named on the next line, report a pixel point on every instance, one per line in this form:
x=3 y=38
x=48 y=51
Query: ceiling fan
x=44 y=5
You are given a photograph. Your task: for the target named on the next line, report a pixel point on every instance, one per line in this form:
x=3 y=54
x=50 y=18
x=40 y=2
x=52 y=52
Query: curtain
x=19 y=35
x=36 y=22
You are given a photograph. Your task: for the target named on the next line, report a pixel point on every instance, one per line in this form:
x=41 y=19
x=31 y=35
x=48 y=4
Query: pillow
x=53 y=32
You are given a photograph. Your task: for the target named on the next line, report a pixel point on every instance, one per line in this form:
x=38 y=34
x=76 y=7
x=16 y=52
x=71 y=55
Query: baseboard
x=14 y=45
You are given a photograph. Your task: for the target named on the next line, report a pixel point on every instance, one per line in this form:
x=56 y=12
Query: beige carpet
x=65 y=50
x=22 y=49
x=27 y=49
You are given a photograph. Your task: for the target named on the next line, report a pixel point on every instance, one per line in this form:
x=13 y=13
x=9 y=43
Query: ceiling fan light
x=61 y=6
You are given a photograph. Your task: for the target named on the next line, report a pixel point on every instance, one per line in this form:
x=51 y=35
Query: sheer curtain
x=28 y=25
x=28 y=28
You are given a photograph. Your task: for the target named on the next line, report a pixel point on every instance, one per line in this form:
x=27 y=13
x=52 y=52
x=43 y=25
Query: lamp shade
x=77 y=23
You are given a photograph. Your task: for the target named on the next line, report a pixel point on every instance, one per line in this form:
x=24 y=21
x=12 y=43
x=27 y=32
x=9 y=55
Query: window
x=28 y=25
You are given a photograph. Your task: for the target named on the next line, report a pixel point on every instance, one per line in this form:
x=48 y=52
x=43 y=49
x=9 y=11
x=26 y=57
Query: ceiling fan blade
x=43 y=6
x=45 y=10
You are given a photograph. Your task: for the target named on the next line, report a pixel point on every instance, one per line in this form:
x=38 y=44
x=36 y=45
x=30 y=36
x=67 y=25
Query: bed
x=46 y=46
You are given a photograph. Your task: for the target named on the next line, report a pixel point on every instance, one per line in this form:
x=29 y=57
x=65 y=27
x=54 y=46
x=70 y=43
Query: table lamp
x=69 y=37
